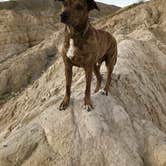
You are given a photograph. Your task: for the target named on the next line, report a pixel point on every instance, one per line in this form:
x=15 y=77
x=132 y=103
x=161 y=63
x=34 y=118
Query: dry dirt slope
x=127 y=128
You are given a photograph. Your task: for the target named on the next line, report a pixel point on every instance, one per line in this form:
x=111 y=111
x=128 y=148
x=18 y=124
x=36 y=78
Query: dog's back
x=106 y=45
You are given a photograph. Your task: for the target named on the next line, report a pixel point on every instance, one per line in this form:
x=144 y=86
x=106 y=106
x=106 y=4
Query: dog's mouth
x=67 y=22
x=64 y=17
x=64 y=20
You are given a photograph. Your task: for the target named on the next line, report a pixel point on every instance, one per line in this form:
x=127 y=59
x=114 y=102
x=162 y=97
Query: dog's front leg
x=68 y=75
x=88 y=74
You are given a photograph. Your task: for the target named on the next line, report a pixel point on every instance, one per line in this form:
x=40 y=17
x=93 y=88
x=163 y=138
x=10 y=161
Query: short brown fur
x=91 y=48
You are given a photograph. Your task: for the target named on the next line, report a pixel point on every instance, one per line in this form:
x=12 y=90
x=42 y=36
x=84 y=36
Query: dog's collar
x=80 y=34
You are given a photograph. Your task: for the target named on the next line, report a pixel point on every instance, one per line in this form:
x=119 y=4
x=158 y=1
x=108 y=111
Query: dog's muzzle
x=64 y=17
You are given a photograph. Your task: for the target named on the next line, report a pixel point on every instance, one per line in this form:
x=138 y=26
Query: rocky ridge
x=127 y=128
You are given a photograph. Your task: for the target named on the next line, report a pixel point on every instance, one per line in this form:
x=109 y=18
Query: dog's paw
x=88 y=107
x=103 y=92
x=63 y=106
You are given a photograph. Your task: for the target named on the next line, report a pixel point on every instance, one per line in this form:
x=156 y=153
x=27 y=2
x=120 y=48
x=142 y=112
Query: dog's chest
x=79 y=53
x=71 y=50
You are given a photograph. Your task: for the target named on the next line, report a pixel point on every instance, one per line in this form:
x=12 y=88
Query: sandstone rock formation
x=23 y=25
x=127 y=128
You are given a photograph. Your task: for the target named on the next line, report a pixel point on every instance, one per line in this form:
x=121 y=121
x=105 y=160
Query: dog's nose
x=64 y=16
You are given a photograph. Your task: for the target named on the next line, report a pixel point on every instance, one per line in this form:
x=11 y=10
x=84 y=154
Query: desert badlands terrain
x=127 y=128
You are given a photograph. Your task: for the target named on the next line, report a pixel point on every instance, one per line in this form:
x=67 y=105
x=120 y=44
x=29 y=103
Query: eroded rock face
x=127 y=128
x=24 y=25
x=21 y=70
x=121 y=130
x=24 y=53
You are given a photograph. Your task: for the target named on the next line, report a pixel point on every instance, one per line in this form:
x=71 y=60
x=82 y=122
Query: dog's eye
x=79 y=7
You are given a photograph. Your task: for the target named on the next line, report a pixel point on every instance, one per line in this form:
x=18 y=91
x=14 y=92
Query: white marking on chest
x=71 y=50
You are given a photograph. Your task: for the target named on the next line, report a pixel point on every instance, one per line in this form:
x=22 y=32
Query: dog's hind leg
x=98 y=77
x=108 y=81
x=110 y=61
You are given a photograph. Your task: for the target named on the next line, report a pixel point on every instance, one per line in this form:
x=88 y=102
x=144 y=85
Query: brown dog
x=85 y=47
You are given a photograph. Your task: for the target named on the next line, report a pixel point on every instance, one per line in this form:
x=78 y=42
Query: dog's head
x=75 y=12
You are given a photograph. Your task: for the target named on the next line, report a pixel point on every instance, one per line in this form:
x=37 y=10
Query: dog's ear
x=92 y=5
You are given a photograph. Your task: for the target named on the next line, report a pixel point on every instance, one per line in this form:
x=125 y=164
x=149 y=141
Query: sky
x=120 y=3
